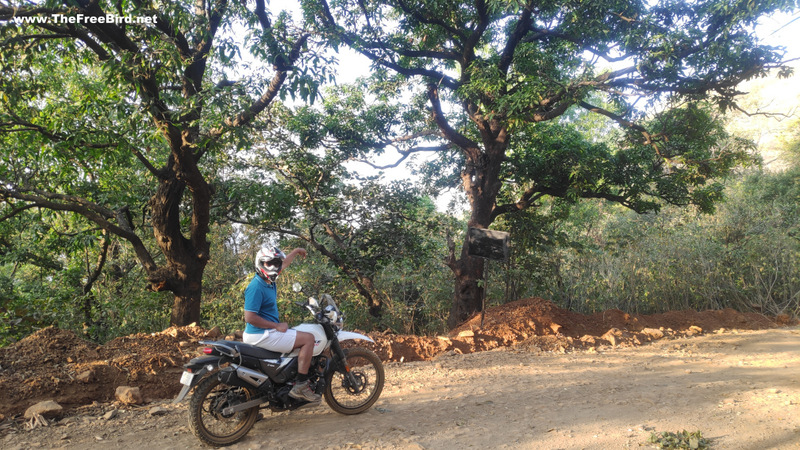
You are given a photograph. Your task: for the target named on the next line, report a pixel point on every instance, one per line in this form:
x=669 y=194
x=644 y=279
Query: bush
x=746 y=256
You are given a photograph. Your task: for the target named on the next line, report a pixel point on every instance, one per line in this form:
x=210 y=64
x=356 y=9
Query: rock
x=466 y=333
x=85 y=377
x=110 y=415
x=47 y=408
x=128 y=395
x=213 y=333
x=611 y=336
x=555 y=327
x=653 y=333
x=694 y=330
x=158 y=411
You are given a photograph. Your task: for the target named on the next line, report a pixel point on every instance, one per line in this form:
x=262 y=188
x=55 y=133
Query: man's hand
x=290 y=257
x=282 y=327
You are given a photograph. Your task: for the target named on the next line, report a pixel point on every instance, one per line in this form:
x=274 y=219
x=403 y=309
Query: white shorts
x=273 y=340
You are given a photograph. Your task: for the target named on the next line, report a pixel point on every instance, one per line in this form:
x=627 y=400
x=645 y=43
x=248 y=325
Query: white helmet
x=268 y=263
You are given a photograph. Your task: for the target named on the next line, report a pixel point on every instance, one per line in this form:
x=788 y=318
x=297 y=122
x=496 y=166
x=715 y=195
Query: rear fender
x=198 y=367
x=202 y=362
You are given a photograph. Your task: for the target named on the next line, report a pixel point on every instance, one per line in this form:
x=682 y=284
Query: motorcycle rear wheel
x=367 y=369
x=206 y=419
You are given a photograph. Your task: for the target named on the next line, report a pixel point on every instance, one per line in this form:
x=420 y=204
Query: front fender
x=349 y=335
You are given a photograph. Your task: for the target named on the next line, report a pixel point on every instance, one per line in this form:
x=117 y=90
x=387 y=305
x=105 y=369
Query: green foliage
x=500 y=76
x=420 y=292
x=743 y=257
x=361 y=224
x=122 y=123
x=94 y=127
x=681 y=440
x=34 y=295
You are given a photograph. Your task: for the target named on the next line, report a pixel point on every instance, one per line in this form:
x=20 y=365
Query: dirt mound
x=59 y=365
x=535 y=323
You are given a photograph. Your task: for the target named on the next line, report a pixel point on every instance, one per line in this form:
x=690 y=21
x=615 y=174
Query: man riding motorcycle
x=263 y=327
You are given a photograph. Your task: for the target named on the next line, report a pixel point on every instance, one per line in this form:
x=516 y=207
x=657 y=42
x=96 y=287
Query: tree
x=120 y=122
x=358 y=223
x=499 y=78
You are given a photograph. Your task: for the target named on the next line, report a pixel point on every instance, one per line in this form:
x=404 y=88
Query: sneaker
x=301 y=391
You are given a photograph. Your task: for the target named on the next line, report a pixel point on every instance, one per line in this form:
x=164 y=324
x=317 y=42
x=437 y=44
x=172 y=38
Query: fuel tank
x=320 y=340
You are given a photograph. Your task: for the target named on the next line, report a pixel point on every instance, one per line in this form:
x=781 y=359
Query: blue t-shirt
x=261 y=298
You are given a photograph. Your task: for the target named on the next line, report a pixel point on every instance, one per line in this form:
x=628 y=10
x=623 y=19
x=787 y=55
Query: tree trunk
x=186 y=308
x=468 y=289
x=373 y=297
x=481 y=181
x=468 y=270
x=186 y=259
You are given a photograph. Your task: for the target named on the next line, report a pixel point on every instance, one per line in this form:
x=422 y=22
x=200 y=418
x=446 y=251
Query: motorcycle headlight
x=331 y=313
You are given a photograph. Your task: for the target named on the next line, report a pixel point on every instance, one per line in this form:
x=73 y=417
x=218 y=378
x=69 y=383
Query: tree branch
x=195 y=72
x=11 y=127
x=246 y=116
x=364 y=48
x=430 y=19
x=405 y=154
x=450 y=134
x=615 y=117
x=526 y=200
x=93 y=212
x=93 y=275
x=520 y=30
x=16 y=211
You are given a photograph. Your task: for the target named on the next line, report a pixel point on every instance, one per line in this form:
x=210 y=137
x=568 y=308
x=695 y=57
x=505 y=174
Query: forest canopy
x=162 y=154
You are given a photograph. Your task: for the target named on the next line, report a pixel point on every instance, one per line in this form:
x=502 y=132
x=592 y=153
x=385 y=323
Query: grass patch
x=684 y=439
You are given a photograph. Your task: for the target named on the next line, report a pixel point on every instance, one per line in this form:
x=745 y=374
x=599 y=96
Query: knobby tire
x=367 y=367
x=204 y=422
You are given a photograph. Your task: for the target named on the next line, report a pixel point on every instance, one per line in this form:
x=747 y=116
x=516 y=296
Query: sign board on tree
x=489 y=244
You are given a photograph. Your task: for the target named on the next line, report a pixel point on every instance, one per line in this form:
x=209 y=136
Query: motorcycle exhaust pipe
x=250 y=376
x=236 y=375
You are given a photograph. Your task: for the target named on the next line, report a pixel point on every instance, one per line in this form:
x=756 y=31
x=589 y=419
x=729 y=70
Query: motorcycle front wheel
x=356 y=388
x=206 y=417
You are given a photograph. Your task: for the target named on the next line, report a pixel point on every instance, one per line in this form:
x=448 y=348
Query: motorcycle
x=235 y=380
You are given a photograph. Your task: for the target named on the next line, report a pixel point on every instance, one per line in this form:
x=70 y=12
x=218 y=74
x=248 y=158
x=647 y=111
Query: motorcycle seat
x=252 y=350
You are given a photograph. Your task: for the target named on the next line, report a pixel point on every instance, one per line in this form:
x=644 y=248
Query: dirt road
x=740 y=389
